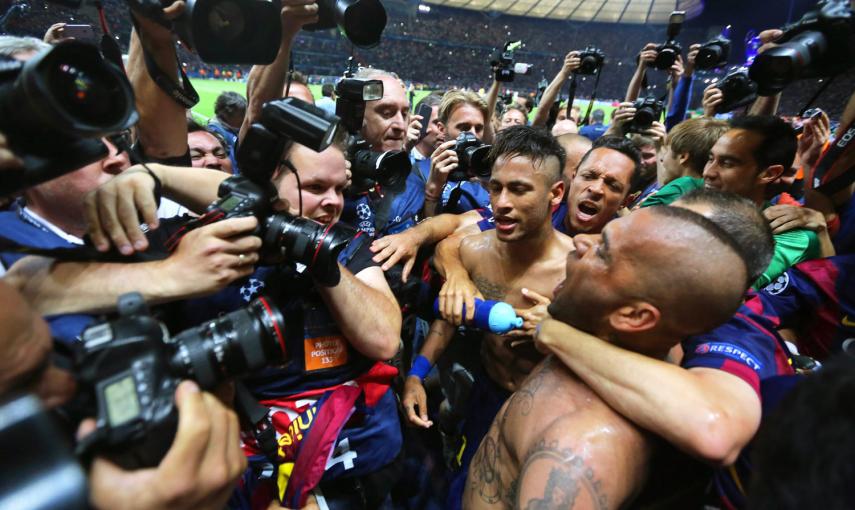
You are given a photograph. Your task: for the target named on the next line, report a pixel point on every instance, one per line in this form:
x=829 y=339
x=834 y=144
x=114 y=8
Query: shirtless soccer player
x=555 y=443
x=524 y=251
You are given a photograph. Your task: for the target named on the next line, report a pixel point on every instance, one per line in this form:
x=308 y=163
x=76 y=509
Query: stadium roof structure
x=605 y=11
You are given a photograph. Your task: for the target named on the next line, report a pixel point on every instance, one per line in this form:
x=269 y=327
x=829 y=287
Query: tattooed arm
x=581 y=462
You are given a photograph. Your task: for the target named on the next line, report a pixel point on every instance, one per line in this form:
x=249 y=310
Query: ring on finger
x=241 y=259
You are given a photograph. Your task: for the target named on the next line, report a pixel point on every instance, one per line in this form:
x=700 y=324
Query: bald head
x=742 y=221
x=650 y=279
x=575 y=146
x=694 y=271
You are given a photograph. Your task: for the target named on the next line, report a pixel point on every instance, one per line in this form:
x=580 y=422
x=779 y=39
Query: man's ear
x=683 y=159
x=636 y=317
x=441 y=126
x=770 y=174
x=556 y=193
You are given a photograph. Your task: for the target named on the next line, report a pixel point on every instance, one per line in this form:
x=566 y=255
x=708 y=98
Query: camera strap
x=183 y=92
x=842 y=146
x=258 y=417
x=593 y=98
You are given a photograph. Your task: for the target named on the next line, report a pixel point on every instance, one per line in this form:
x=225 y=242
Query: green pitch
x=210 y=89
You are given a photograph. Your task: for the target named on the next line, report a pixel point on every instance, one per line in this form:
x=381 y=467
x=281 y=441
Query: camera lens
x=83 y=96
x=709 y=56
x=478 y=161
x=226 y=20
x=232 y=345
x=313 y=244
x=776 y=68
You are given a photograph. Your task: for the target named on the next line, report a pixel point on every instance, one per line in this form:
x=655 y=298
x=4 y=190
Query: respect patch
x=730 y=351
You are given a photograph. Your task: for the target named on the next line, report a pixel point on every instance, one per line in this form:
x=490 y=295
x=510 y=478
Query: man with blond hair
x=459 y=112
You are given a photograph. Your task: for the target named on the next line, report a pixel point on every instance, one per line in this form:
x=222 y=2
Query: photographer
x=336 y=334
x=201 y=467
x=459 y=112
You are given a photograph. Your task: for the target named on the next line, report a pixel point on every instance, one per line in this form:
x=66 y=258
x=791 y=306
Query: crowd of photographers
x=355 y=302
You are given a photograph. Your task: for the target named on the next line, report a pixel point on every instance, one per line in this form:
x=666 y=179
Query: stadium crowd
x=482 y=300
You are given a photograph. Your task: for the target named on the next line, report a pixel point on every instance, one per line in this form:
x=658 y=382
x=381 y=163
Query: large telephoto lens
x=75 y=91
x=777 y=67
x=232 y=345
x=315 y=245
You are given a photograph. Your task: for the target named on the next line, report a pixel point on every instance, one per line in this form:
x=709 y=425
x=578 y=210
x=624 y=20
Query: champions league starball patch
x=251 y=289
x=779 y=285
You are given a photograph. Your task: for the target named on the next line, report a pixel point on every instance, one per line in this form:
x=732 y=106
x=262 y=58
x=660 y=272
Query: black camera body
x=128 y=370
x=361 y=21
x=368 y=168
x=472 y=158
x=592 y=61
x=223 y=31
x=666 y=54
x=505 y=67
x=820 y=44
x=284 y=237
x=647 y=111
x=55 y=107
x=713 y=53
x=737 y=90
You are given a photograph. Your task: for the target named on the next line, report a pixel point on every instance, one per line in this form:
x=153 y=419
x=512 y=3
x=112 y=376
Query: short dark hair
x=432 y=99
x=804 y=456
x=229 y=103
x=193 y=126
x=534 y=143
x=327 y=89
x=779 y=139
x=616 y=143
x=743 y=222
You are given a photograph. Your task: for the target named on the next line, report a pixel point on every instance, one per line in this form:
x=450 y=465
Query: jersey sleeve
x=745 y=346
x=790 y=248
x=672 y=191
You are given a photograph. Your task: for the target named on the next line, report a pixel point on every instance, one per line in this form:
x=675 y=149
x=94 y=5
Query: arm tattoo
x=568 y=477
x=484 y=476
x=523 y=399
x=490 y=290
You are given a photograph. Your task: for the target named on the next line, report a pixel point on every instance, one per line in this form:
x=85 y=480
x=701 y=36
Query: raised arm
x=162 y=128
x=645 y=58
x=266 y=83
x=571 y=63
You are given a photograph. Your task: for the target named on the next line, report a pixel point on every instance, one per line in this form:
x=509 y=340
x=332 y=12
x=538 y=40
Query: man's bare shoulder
x=474 y=243
x=573 y=451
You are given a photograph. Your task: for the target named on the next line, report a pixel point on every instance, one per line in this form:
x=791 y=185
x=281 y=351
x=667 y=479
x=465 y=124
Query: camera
x=361 y=21
x=127 y=371
x=368 y=168
x=223 y=31
x=714 y=53
x=647 y=111
x=592 y=60
x=737 y=90
x=820 y=44
x=55 y=107
x=504 y=65
x=666 y=54
x=285 y=238
x=472 y=158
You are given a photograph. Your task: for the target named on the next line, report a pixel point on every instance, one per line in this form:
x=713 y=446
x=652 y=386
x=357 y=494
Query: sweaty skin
x=556 y=444
x=501 y=270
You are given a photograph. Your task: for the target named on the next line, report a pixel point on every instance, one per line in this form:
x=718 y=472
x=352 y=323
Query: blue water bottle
x=493 y=316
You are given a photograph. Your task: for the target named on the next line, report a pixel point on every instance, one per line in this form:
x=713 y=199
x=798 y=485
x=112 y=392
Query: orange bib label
x=325 y=352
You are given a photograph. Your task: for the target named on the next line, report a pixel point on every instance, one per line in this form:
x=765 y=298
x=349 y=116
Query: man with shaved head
x=556 y=443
